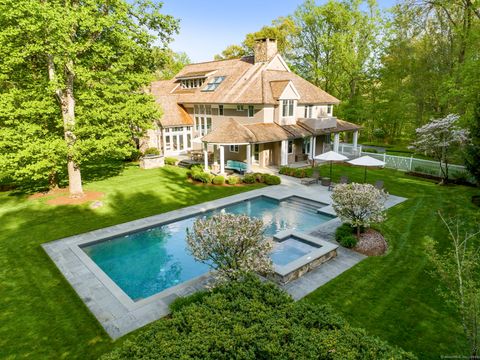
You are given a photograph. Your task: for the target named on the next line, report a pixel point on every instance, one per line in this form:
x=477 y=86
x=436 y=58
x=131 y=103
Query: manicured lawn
x=394 y=296
x=40 y=314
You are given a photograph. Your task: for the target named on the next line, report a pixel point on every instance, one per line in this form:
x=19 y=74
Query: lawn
x=394 y=296
x=40 y=314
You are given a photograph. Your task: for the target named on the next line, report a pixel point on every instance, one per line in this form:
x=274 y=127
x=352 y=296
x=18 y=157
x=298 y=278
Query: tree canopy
x=71 y=84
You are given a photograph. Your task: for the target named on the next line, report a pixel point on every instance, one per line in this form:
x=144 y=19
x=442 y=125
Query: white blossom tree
x=438 y=138
x=233 y=245
x=359 y=205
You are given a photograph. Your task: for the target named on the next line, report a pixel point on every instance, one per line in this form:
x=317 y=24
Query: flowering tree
x=231 y=244
x=438 y=138
x=359 y=205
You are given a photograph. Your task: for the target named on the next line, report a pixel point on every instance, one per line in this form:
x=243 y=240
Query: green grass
x=41 y=316
x=394 y=296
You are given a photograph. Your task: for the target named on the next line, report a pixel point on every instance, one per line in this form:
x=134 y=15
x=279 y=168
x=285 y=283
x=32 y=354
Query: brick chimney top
x=265 y=49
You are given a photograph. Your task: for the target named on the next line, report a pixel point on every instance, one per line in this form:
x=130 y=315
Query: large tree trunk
x=68 y=113
x=66 y=100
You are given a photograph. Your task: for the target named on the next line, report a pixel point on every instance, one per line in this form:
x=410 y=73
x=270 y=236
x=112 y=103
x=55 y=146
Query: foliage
x=70 y=84
x=438 y=138
x=344 y=235
x=232 y=180
x=254 y=320
x=295 y=172
x=231 y=52
x=249 y=178
x=271 y=179
x=459 y=271
x=260 y=177
x=168 y=63
x=231 y=244
x=472 y=149
x=151 y=151
x=202 y=176
x=171 y=161
x=359 y=205
x=218 y=180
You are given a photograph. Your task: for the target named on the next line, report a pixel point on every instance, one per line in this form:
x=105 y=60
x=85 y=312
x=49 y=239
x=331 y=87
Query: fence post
x=410 y=165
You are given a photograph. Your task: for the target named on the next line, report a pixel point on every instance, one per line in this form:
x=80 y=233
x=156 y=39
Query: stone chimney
x=265 y=49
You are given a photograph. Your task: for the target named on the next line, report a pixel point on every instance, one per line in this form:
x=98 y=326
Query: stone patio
x=119 y=314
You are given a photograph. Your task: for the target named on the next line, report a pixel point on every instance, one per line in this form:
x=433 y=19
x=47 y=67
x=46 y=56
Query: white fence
x=406 y=163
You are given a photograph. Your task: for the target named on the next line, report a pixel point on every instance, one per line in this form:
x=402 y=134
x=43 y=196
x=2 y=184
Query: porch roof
x=297 y=131
x=268 y=132
x=342 y=125
x=229 y=131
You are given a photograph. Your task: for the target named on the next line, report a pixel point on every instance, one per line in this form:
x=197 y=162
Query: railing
x=404 y=163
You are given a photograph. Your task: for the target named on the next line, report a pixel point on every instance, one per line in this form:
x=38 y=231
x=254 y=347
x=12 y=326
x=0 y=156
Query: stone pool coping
x=115 y=311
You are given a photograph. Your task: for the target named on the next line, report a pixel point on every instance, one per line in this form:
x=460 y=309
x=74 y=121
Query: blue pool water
x=149 y=261
x=289 y=250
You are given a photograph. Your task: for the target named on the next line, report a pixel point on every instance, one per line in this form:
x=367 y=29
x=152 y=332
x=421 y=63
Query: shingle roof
x=268 y=132
x=174 y=114
x=246 y=82
x=342 y=125
x=229 y=132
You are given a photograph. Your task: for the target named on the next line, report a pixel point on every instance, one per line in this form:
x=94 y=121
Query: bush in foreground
x=232 y=180
x=218 y=180
x=170 y=161
x=345 y=236
x=253 y=320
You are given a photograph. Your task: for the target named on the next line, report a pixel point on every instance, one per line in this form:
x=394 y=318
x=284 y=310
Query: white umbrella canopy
x=330 y=156
x=366 y=161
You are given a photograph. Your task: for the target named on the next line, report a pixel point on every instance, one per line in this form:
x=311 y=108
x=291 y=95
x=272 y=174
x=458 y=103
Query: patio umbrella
x=366 y=161
x=330 y=156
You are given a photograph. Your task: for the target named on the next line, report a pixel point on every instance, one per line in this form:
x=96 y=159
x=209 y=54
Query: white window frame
x=251 y=111
x=234 y=148
x=329 y=109
x=287 y=108
x=221 y=110
x=240 y=108
x=308 y=111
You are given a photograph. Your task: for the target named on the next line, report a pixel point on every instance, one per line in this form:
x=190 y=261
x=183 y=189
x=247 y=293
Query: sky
x=209 y=26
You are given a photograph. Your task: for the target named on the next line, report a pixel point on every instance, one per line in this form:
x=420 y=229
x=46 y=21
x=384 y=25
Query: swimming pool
x=149 y=261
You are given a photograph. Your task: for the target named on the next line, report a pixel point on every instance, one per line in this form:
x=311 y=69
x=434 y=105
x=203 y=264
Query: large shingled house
x=252 y=109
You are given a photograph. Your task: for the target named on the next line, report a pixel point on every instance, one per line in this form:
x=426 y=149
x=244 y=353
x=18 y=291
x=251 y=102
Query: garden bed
x=371 y=243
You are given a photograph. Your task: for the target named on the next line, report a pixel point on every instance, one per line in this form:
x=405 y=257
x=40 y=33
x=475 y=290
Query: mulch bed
x=371 y=243
x=62 y=197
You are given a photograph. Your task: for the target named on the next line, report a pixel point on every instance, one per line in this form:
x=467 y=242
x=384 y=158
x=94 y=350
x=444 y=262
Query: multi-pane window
x=290 y=146
x=308 y=111
x=287 y=108
x=220 y=110
x=192 y=83
x=234 y=148
x=306 y=146
x=251 y=111
x=239 y=107
x=329 y=109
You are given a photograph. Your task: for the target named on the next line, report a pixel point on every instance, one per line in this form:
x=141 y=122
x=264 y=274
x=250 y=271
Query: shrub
x=170 y=161
x=253 y=320
x=233 y=180
x=272 y=179
x=202 y=176
x=249 y=179
x=295 y=172
x=231 y=244
x=218 y=180
x=151 y=151
x=259 y=177
x=359 y=204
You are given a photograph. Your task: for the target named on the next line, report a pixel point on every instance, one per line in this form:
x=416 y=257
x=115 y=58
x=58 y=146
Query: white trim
x=279 y=57
x=233 y=146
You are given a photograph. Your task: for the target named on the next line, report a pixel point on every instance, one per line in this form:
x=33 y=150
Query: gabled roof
x=230 y=131
x=174 y=114
x=245 y=82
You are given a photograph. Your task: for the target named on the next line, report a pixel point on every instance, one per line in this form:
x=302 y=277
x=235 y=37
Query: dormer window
x=287 y=108
x=192 y=83
x=214 y=83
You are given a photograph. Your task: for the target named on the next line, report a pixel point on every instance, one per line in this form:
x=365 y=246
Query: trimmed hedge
x=232 y=180
x=252 y=320
x=271 y=179
x=249 y=178
x=170 y=161
x=345 y=236
x=295 y=172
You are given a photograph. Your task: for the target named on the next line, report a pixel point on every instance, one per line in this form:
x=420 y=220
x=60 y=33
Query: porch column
x=222 y=159
x=205 y=156
x=249 y=158
x=336 y=142
x=355 y=140
x=313 y=143
x=283 y=153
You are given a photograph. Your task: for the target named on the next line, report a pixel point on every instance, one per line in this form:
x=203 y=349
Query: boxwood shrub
x=271 y=179
x=232 y=180
x=252 y=320
x=249 y=178
x=218 y=180
x=345 y=236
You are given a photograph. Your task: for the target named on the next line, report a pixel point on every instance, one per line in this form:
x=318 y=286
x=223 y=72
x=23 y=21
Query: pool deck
x=119 y=315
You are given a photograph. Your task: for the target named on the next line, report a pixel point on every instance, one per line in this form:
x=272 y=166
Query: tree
x=459 y=271
x=168 y=63
x=438 y=138
x=71 y=82
x=231 y=52
x=359 y=205
x=233 y=245
x=472 y=149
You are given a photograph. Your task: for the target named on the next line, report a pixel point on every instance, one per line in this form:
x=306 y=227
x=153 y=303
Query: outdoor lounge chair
x=379 y=184
x=238 y=166
x=312 y=180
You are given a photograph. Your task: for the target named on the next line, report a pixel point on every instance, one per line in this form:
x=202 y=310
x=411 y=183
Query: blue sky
x=208 y=26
